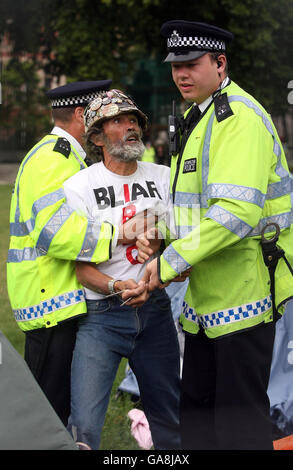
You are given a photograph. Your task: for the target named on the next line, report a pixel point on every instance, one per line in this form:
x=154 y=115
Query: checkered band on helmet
x=175 y=42
x=74 y=100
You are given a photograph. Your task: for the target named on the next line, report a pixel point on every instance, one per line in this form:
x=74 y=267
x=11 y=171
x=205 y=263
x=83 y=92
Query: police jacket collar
x=203 y=106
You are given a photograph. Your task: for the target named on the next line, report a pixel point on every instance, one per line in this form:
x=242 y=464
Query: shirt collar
x=62 y=133
x=202 y=106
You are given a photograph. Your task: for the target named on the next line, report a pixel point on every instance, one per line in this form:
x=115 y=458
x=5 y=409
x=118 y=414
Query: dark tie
x=192 y=117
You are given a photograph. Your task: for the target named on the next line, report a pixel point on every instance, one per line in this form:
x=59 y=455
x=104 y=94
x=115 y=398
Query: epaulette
x=222 y=107
x=62 y=146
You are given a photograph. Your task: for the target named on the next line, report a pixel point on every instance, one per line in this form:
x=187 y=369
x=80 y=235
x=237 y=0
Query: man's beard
x=123 y=151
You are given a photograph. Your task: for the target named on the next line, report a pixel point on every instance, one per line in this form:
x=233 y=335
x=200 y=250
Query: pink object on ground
x=140 y=428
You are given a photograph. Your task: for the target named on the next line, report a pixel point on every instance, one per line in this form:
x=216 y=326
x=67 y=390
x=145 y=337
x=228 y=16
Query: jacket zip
x=185 y=137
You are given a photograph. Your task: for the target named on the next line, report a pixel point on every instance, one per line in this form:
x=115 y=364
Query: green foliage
x=7 y=323
x=23 y=113
x=21 y=19
x=259 y=55
x=86 y=39
x=94 y=38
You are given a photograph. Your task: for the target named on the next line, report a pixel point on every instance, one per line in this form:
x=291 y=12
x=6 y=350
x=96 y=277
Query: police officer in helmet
x=229 y=181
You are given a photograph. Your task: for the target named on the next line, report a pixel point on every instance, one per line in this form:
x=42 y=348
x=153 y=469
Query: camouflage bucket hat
x=109 y=104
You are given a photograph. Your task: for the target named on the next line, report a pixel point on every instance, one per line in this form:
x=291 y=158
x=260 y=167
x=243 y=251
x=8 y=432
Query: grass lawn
x=116 y=432
x=7 y=322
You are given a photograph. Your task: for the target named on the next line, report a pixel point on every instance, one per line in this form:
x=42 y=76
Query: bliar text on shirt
x=106 y=196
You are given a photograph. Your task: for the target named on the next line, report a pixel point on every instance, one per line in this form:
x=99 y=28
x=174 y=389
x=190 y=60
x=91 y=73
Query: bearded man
x=123 y=319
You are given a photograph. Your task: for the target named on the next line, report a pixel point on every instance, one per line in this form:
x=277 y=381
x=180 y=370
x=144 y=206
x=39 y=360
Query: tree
x=21 y=20
x=86 y=39
x=23 y=115
x=94 y=38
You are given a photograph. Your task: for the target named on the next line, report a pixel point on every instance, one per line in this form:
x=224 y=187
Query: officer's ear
x=221 y=62
x=78 y=114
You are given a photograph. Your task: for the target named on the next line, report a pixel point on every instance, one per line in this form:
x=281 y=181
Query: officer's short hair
x=63 y=114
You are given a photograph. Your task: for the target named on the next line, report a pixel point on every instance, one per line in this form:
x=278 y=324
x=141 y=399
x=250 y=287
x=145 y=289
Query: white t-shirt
x=103 y=195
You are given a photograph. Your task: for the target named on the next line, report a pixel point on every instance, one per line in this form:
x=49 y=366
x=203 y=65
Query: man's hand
x=135 y=227
x=147 y=245
x=151 y=277
x=137 y=293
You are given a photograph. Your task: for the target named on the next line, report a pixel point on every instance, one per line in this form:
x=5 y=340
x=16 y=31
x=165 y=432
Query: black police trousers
x=48 y=353
x=224 y=402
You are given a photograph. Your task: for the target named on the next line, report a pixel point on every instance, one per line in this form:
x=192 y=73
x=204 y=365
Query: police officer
x=46 y=236
x=229 y=180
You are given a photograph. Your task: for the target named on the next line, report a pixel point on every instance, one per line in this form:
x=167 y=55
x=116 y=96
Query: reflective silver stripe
x=228 y=220
x=183 y=230
x=175 y=260
x=250 y=104
x=52 y=226
x=278 y=189
x=49 y=231
x=283 y=220
x=20 y=229
x=206 y=162
x=17 y=211
x=47 y=200
x=274 y=190
x=234 y=191
x=25 y=254
x=80 y=161
x=187 y=199
x=90 y=242
x=229 y=315
x=291 y=191
x=242 y=193
x=50 y=305
x=280 y=170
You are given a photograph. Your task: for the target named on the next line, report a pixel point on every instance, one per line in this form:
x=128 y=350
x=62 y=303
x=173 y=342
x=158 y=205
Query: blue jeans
x=147 y=337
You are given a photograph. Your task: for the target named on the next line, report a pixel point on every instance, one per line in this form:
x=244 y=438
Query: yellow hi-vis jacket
x=47 y=236
x=230 y=180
